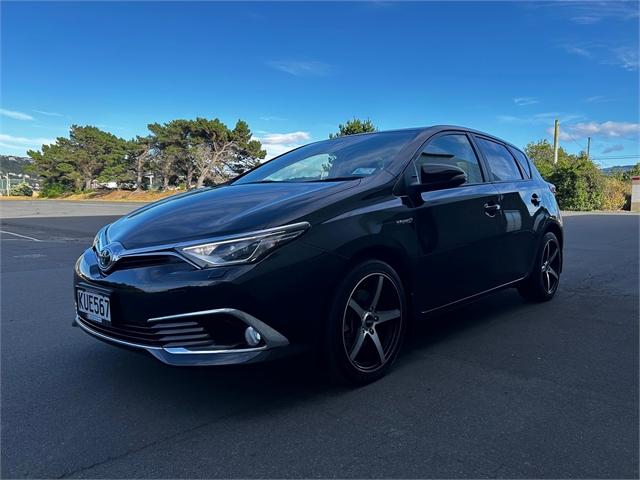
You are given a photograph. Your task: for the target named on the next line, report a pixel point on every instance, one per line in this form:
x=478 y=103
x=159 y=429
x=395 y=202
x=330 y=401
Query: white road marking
x=21 y=236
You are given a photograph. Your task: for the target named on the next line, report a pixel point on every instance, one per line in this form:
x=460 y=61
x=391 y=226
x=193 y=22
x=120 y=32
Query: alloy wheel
x=372 y=322
x=550 y=266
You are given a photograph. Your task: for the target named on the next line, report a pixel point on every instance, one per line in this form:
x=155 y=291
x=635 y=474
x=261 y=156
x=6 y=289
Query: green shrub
x=616 y=194
x=579 y=184
x=53 y=190
x=21 y=190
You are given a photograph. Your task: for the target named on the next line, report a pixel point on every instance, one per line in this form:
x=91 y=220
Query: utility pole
x=588 y=146
x=8 y=185
x=556 y=132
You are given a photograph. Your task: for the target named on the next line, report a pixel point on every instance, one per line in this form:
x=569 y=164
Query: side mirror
x=435 y=176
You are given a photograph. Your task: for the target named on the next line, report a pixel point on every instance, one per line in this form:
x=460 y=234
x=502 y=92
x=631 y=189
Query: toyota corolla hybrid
x=335 y=245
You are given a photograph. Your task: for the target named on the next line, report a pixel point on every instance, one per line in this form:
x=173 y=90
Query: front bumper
x=204 y=312
x=271 y=343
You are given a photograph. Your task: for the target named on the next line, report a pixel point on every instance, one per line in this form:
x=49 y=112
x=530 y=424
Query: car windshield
x=343 y=158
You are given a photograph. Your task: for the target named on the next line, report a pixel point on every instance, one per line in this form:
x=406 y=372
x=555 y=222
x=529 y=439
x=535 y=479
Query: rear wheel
x=542 y=283
x=367 y=323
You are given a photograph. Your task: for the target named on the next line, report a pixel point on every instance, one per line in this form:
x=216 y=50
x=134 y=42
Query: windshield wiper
x=337 y=179
x=264 y=181
x=328 y=179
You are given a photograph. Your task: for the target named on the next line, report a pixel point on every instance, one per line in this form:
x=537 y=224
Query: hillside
x=617 y=169
x=13 y=164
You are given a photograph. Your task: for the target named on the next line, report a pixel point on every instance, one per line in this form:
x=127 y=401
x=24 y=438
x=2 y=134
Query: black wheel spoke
x=376 y=296
x=358 y=309
x=376 y=342
x=371 y=335
x=358 y=345
x=550 y=266
x=387 y=315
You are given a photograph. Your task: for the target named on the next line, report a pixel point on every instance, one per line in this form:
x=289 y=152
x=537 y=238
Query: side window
x=522 y=161
x=455 y=150
x=501 y=163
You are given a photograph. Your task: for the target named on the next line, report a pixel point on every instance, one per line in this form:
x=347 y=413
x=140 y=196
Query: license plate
x=94 y=306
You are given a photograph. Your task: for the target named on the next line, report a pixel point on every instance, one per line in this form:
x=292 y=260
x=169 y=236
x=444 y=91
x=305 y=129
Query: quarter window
x=454 y=150
x=522 y=161
x=501 y=163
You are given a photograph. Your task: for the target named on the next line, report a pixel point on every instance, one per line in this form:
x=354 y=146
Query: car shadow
x=277 y=384
x=441 y=325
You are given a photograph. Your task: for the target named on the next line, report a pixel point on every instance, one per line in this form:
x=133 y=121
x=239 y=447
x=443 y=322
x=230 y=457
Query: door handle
x=491 y=209
x=535 y=199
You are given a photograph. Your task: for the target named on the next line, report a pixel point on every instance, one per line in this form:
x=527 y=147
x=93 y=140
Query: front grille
x=163 y=334
x=145 y=261
x=219 y=331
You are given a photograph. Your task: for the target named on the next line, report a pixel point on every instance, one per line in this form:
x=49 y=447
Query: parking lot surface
x=499 y=388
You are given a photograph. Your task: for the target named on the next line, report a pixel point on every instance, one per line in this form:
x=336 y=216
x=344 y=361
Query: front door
x=456 y=228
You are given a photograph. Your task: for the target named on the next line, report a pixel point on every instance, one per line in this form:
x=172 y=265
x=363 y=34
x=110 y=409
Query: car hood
x=221 y=210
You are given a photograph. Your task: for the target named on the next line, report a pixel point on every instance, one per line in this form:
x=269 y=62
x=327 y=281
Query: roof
x=425 y=132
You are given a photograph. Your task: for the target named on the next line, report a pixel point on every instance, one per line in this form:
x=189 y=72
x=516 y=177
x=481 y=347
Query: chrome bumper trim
x=184 y=356
x=80 y=322
x=272 y=338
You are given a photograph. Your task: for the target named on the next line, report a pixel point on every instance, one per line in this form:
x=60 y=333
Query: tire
x=542 y=283
x=366 y=324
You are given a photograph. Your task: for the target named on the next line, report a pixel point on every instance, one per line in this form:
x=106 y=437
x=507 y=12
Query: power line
x=621 y=156
x=574 y=141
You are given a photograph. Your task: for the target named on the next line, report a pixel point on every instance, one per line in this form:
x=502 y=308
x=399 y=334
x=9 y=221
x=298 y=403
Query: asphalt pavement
x=499 y=388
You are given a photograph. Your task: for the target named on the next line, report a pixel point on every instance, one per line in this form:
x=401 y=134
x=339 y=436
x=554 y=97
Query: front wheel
x=542 y=284
x=366 y=324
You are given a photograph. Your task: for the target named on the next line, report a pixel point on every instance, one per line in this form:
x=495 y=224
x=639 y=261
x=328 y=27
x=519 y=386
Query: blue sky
x=295 y=71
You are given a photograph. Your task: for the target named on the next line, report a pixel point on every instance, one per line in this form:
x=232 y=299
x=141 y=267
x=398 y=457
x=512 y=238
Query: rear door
x=520 y=203
x=456 y=227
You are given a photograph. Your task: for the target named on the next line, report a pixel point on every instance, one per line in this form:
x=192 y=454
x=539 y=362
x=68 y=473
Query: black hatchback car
x=334 y=245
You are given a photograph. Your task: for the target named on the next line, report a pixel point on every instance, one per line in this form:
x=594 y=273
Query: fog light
x=252 y=336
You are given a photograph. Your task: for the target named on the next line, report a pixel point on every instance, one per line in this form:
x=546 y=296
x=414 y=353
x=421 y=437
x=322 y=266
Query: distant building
x=635 y=194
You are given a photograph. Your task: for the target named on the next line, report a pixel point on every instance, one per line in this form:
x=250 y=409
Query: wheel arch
x=556 y=229
x=394 y=257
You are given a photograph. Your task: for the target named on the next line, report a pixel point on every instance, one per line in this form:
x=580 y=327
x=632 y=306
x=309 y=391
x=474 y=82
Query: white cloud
x=272 y=118
x=607 y=54
x=15 y=115
x=523 y=101
x=23 y=143
x=577 y=50
x=626 y=58
x=275 y=150
x=49 y=114
x=597 y=99
x=284 y=138
x=594 y=129
x=613 y=148
x=590 y=12
x=278 y=143
x=301 y=68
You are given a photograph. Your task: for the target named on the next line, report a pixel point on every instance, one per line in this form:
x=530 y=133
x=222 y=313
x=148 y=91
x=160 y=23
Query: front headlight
x=241 y=249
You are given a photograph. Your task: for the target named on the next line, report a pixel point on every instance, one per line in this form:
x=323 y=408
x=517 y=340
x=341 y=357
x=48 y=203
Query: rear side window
x=522 y=160
x=501 y=163
x=455 y=150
